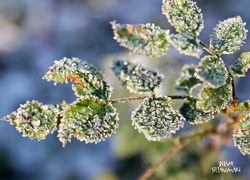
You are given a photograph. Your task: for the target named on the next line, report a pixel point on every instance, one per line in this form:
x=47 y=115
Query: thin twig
x=208 y=49
x=212 y=52
x=184 y=140
x=234 y=96
x=151 y=170
x=128 y=99
x=137 y=98
x=235 y=99
x=178 y=97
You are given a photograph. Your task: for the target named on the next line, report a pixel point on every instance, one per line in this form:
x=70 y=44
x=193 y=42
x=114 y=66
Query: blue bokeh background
x=35 y=33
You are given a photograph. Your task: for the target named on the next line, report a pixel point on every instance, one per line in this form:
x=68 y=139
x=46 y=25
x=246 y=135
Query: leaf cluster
x=92 y=117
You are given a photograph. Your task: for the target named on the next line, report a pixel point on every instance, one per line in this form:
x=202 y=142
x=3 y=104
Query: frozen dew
x=214 y=99
x=184 y=15
x=34 y=119
x=89 y=119
x=228 y=36
x=187 y=79
x=186 y=44
x=154 y=122
x=136 y=78
x=241 y=65
x=192 y=114
x=87 y=79
x=212 y=70
x=146 y=39
x=35 y=124
x=241 y=135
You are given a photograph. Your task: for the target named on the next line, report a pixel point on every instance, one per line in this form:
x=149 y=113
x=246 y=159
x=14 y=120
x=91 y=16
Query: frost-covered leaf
x=243 y=143
x=136 y=78
x=187 y=79
x=34 y=119
x=241 y=135
x=79 y=90
x=186 y=44
x=146 y=39
x=89 y=119
x=156 y=118
x=228 y=36
x=244 y=106
x=241 y=65
x=184 y=15
x=212 y=70
x=214 y=99
x=88 y=79
x=194 y=115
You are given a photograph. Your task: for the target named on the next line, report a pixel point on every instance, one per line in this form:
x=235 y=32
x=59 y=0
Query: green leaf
x=34 y=119
x=156 y=118
x=241 y=65
x=187 y=80
x=228 y=36
x=194 y=115
x=88 y=79
x=241 y=135
x=212 y=70
x=186 y=44
x=136 y=78
x=79 y=90
x=184 y=15
x=145 y=39
x=214 y=99
x=244 y=106
x=89 y=119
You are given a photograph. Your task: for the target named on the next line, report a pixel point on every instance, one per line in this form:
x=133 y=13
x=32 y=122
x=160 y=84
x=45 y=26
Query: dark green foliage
x=187 y=80
x=194 y=115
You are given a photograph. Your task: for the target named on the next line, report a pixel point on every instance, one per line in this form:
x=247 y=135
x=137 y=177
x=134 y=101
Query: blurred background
x=35 y=33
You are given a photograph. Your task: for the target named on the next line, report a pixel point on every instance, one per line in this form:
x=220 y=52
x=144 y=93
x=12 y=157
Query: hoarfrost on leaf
x=89 y=119
x=194 y=115
x=214 y=99
x=187 y=80
x=34 y=119
x=241 y=65
x=212 y=70
x=146 y=39
x=228 y=36
x=184 y=15
x=87 y=78
x=156 y=118
x=186 y=44
x=136 y=78
x=241 y=135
